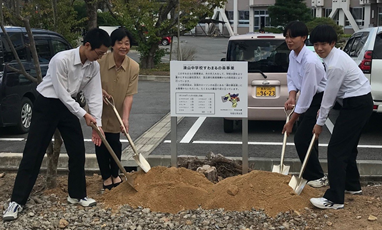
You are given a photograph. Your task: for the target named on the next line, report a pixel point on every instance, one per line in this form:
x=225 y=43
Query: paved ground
x=153 y=121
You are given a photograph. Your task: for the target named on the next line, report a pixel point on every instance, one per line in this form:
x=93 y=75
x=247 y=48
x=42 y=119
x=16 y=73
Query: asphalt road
x=205 y=48
x=153 y=102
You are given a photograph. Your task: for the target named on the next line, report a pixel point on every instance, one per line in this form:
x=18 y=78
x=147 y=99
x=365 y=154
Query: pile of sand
x=175 y=189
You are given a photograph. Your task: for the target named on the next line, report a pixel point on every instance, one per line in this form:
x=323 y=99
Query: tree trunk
x=91 y=10
x=147 y=62
x=54 y=8
x=53 y=153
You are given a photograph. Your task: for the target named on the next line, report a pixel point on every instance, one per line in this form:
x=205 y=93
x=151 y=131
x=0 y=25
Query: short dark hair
x=119 y=34
x=323 y=33
x=97 y=37
x=295 y=29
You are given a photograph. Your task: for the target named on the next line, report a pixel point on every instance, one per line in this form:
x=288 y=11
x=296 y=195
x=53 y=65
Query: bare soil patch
x=175 y=189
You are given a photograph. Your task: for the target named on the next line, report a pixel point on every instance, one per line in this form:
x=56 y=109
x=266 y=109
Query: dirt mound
x=175 y=189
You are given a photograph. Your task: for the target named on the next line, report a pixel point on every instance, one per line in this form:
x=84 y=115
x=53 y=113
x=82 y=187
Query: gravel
x=48 y=212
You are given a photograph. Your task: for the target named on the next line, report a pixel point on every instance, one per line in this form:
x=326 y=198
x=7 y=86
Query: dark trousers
x=303 y=136
x=49 y=114
x=342 y=150
x=106 y=163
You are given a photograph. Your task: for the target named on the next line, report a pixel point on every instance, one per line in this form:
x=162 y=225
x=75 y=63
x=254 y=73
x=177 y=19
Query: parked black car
x=17 y=93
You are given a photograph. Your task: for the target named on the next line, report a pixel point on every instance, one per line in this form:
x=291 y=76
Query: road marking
x=12 y=139
x=192 y=131
x=265 y=143
x=24 y=139
x=329 y=125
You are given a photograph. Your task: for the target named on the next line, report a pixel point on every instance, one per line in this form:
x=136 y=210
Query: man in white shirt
x=306 y=75
x=69 y=73
x=348 y=85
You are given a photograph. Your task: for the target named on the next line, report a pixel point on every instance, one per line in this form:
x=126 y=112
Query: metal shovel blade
x=142 y=162
x=139 y=159
x=297 y=184
x=283 y=170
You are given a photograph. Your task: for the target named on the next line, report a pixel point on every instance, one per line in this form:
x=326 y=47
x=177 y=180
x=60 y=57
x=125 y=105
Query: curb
x=158 y=78
x=369 y=169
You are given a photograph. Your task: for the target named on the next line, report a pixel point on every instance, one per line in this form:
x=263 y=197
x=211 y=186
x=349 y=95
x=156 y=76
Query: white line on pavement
x=192 y=131
x=329 y=125
x=265 y=143
x=24 y=139
x=12 y=139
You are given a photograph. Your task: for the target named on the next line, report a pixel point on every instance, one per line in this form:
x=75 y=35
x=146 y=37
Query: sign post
x=209 y=89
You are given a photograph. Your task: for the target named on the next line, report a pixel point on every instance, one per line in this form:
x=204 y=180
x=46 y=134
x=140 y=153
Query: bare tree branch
x=108 y=4
x=33 y=49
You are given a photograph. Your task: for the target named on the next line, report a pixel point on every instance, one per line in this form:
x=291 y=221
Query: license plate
x=266 y=91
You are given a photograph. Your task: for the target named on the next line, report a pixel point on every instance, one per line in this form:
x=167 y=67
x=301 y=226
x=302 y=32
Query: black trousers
x=106 y=163
x=49 y=114
x=303 y=136
x=342 y=149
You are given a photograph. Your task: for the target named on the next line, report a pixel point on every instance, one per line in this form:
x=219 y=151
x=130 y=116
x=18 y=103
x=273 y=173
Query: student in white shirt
x=306 y=75
x=348 y=85
x=69 y=73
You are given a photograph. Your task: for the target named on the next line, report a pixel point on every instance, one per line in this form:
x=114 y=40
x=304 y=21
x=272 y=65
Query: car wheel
x=25 y=115
x=228 y=126
x=164 y=42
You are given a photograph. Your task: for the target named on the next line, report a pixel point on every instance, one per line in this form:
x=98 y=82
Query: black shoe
x=110 y=186
x=116 y=184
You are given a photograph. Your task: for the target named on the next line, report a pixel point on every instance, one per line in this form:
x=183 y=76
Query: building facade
x=250 y=15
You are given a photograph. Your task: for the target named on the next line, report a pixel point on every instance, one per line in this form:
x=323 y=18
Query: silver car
x=268 y=57
x=365 y=48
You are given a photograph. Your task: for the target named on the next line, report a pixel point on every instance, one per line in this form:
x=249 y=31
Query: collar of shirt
x=330 y=57
x=298 y=58
x=111 y=61
x=77 y=58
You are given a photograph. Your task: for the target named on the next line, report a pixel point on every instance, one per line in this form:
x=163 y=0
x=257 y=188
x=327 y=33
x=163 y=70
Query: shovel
x=283 y=169
x=139 y=159
x=298 y=183
x=128 y=178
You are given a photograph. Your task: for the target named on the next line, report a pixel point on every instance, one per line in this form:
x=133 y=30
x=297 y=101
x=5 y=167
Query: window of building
x=243 y=17
x=314 y=12
x=358 y=15
x=262 y=19
x=379 y=16
x=229 y=15
x=327 y=12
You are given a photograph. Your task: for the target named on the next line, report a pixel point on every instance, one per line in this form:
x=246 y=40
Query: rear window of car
x=261 y=54
x=355 y=44
x=377 y=51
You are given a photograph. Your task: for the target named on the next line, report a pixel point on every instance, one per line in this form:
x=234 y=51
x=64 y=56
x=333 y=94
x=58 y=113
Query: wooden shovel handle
x=129 y=180
x=307 y=155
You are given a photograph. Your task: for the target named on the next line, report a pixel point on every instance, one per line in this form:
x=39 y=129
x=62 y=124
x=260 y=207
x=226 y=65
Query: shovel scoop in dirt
x=128 y=178
x=139 y=159
x=298 y=183
x=281 y=168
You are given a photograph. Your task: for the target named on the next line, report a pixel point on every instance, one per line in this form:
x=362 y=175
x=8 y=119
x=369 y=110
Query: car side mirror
x=223 y=59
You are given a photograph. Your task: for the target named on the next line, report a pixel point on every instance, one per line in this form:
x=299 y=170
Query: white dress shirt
x=66 y=76
x=306 y=75
x=345 y=79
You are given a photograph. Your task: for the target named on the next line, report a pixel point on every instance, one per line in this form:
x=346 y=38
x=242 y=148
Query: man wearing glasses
x=69 y=72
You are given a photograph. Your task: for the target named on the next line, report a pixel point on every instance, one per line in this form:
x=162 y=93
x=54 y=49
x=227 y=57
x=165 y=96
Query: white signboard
x=211 y=89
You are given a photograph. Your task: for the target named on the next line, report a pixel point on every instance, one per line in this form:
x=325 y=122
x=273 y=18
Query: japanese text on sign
x=214 y=89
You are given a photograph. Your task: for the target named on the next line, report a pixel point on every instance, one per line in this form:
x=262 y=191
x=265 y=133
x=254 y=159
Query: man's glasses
x=99 y=54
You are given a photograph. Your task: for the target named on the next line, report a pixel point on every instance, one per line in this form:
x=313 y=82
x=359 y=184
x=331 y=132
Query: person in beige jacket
x=119 y=78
